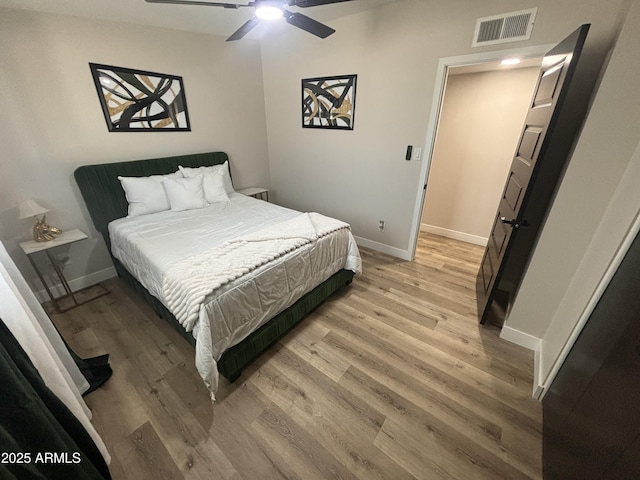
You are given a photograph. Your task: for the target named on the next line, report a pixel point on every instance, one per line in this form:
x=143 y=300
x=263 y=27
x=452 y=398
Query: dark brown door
x=549 y=130
x=591 y=413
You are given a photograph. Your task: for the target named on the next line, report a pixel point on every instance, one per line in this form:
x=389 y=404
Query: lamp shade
x=30 y=208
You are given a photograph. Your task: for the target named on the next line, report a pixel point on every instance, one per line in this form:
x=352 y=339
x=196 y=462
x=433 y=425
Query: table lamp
x=41 y=231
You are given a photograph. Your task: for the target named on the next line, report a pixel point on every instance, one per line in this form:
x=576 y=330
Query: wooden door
x=547 y=136
x=591 y=419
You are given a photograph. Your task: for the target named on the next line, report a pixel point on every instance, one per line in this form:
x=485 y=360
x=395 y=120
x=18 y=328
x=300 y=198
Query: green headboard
x=103 y=193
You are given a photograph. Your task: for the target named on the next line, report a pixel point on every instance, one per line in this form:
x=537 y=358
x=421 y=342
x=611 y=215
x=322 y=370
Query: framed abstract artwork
x=329 y=102
x=140 y=101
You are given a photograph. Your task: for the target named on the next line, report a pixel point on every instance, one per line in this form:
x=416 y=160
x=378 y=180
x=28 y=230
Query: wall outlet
x=381 y=225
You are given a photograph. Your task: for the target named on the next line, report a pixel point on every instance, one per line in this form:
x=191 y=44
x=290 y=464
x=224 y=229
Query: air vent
x=508 y=27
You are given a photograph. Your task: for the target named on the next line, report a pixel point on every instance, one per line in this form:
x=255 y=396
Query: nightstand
x=31 y=247
x=256 y=192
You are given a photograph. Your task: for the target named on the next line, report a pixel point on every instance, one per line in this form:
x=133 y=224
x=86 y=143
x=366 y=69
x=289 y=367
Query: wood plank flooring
x=391 y=378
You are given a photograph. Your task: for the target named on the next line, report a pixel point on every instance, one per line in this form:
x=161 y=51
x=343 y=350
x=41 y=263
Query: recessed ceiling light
x=510 y=61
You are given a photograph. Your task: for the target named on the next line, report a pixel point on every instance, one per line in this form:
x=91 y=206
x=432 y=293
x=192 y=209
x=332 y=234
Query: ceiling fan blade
x=308 y=24
x=208 y=4
x=312 y=3
x=244 y=29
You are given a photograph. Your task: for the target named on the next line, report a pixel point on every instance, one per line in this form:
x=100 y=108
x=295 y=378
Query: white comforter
x=154 y=247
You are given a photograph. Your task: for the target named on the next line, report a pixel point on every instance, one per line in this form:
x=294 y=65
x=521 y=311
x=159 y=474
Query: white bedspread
x=187 y=284
x=159 y=248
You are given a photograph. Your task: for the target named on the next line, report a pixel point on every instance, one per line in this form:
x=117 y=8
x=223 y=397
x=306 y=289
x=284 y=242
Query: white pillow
x=214 y=191
x=146 y=194
x=185 y=193
x=215 y=169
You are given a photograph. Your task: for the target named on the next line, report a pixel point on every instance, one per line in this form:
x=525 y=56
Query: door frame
x=434 y=118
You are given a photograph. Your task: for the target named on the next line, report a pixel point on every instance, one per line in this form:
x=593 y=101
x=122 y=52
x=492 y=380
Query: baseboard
x=531 y=343
x=77 y=283
x=520 y=338
x=445 y=232
x=538 y=387
x=381 y=247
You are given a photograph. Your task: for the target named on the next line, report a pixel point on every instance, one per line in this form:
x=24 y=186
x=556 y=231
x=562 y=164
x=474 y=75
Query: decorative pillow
x=222 y=169
x=145 y=194
x=185 y=193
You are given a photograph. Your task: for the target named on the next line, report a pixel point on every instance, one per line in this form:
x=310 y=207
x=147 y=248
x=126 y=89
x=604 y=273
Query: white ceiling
x=203 y=19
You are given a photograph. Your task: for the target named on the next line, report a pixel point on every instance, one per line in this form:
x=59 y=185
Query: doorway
x=441 y=182
x=483 y=109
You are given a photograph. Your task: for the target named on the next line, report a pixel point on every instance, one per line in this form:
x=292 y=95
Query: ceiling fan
x=270 y=10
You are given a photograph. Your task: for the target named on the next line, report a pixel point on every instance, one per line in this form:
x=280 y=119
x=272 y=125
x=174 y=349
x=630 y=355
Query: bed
x=233 y=275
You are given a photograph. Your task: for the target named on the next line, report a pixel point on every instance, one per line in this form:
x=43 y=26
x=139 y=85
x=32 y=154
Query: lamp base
x=43 y=232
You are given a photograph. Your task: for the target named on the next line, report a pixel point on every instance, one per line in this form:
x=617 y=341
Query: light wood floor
x=392 y=378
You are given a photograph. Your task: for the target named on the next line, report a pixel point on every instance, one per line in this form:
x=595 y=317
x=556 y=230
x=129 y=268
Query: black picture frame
x=140 y=101
x=329 y=102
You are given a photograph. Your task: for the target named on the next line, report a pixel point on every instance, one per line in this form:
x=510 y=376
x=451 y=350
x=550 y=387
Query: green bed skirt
x=236 y=358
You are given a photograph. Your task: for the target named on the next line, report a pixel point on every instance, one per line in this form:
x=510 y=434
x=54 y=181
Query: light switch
x=417 y=153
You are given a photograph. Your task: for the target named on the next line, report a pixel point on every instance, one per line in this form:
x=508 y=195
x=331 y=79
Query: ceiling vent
x=508 y=27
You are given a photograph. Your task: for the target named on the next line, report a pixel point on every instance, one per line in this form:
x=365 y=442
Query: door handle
x=514 y=222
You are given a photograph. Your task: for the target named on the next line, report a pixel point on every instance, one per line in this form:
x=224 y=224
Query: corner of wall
x=531 y=343
x=381 y=247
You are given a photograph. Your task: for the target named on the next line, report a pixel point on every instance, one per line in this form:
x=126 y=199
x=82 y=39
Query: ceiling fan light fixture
x=268 y=11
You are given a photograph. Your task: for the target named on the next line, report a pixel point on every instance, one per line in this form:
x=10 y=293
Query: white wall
x=480 y=123
x=361 y=176
x=52 y=122
x=597 y=202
